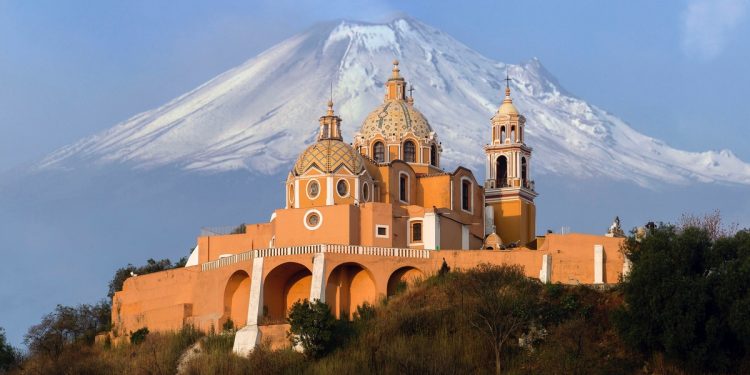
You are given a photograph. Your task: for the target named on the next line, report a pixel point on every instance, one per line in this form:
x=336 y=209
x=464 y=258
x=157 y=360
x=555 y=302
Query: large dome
x=328 y=156
x=395 y=117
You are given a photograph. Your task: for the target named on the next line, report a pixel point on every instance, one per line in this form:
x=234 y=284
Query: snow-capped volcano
x=260 y=115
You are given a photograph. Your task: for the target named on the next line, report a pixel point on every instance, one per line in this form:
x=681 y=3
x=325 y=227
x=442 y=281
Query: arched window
x=523 y=172
x=433 y=155
x=512 y=133
x=466 y=195
x=366 y=192
x=378 y=152
x=410 y=152
x=403 y=181
x=502 y=134
x=501 y=172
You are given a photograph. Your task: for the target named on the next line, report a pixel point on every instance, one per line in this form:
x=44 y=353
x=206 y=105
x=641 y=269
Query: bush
x=138 y=336
x=312 y=326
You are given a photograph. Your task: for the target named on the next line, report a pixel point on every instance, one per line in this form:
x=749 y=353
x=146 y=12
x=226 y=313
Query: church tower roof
x=507 y=107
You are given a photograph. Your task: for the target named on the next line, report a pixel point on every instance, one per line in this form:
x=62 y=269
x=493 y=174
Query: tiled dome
x=328 y=156
x=395 y=117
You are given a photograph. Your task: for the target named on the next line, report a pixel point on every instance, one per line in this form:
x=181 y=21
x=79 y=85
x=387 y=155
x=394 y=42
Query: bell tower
x=509 y=190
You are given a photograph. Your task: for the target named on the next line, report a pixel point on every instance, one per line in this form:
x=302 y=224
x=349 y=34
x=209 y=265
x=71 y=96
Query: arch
x=237 y=299
x=513 y=133
x=349 y=285
x=410 y=152
x=433 y=156
x=502 y=134
x=524 y=168
x=501 y=171
x=378 y=152
x=403 y=276
x=284 y=285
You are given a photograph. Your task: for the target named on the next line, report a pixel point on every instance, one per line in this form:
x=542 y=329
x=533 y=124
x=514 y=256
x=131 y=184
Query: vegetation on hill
x=684 y=308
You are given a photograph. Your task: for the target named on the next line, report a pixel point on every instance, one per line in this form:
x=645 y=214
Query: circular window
x=313 y=189
x=313 y=219
x=342 y=187
x=366 y=192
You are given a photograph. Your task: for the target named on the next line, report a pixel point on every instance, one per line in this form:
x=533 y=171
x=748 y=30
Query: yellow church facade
x=360 y=219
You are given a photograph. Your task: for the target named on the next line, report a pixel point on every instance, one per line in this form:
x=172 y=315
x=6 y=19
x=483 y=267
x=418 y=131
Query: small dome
x=507 y=108
x=395 y=116
x=328 y=156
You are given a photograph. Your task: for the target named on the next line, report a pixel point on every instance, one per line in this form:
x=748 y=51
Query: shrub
x=312 y=326
x=67 y=325
x=138 y=336
x=8 y=355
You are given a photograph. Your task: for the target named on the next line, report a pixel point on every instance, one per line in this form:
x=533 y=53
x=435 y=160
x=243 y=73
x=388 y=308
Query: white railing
x=312 y=249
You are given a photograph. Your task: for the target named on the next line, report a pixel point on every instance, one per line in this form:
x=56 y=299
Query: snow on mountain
x=260 y=115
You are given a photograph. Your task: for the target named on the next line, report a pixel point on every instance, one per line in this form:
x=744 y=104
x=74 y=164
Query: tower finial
x=330 y=102
x=395 y=68
x=507 y=84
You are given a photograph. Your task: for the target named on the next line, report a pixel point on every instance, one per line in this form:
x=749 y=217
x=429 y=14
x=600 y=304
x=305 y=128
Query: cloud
x=708 y=23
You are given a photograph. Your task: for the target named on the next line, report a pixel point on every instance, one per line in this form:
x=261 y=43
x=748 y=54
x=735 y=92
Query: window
x=342 y=187
x=366 y=192
x=524 y=183
x=410 y=152
x=313 y=219
x=416 y=232
x=501 y=172
x=466 y=195
x=512 y=133
x=381 y=231
x=402 y=188
x=502 y=134
x=291 y=193
x=378 y=152
x=313 y=189
x=433 y=155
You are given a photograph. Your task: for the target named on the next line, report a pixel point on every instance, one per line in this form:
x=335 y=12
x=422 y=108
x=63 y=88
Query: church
x=362 y=218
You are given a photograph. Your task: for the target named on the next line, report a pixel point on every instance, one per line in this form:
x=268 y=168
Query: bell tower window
x=501 y=172
x=378 y=152
x=410 y=152
x=524 y=183
x=502 y=134
x=512 y=133
x=433 y=155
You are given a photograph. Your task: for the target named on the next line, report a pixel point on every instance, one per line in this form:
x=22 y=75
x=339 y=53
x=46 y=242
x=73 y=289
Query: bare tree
x=712 y=223
x=499 y=303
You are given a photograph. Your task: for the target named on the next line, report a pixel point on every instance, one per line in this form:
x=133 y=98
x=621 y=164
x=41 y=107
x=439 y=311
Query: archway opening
x=402 y=278
x=236 y=299
x=523 y=172
x=284 y=285
x=349 y=285
x=501 y=171
x=433 y=156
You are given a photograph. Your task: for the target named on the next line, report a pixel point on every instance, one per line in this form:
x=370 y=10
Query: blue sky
x=675 y=70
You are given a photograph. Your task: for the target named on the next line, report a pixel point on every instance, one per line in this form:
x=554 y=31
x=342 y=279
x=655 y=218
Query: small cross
x=411 y=90
x=507 y=80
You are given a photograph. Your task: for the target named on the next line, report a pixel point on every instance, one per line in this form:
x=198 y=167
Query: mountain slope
x=260 y=115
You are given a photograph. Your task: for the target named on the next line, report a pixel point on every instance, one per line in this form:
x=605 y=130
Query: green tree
x=687 y=296
x=8 y=355
x=500 y=303
x=151 y=266
x=312 y=326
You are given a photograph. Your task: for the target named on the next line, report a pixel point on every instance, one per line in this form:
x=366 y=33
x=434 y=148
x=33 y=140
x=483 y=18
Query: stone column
x=545 y=274
x=598 y=264
x=247 y=338
x=318 y=284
